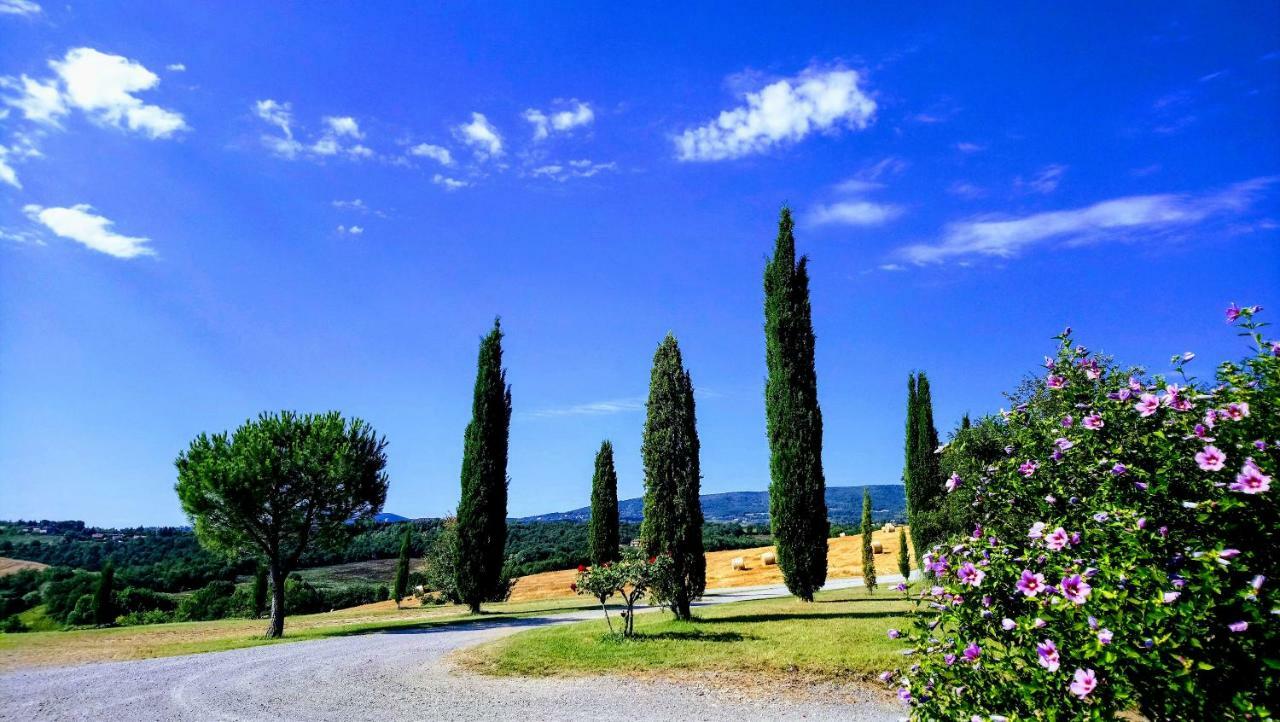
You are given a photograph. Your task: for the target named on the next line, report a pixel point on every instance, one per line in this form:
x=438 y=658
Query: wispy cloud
x=785 y=111
x=437 y=153
x=19 y=7
x=970 y=148
x=484 y=139
x=855 y=213
x=1115 y=219
x=337 y=137
x=967 y=191
x=81 y=224
x=1044 y=182
x=449 y=184
x=572 y=169
x=576 y=115
x=594 y=408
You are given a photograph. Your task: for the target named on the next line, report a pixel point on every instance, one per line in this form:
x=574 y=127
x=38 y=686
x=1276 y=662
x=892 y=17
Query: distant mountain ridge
x=844 y=504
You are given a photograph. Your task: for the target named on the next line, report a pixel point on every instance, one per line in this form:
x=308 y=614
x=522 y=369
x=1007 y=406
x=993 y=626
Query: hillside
x=844 y=504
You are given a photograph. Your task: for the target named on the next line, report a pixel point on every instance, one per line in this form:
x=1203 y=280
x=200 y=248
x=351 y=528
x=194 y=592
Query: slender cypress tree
x=672 y=477
x=401 y=584
x=868 y=554
x=259 y=590
x=602 y=533
x=909 y=458
x=797 y=489
x=104 y=596
x=482 y=510
x=923 y=475
x=904 y=560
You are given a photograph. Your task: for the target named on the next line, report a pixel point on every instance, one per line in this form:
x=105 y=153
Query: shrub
x=82 y=613
x=12 y=625
x=631 y=578
x=1125 y=555
x=212 y=601
x=137 y=599
x=151 y=616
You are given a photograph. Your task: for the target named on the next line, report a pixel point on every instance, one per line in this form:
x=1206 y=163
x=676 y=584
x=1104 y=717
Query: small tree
x=103 y=600
x=868 y=553
x=259 y=591
x=904 y=558
x=631 y=578
x=482 y=509
x=280 y=484
x=602 y=532
x=401 y=584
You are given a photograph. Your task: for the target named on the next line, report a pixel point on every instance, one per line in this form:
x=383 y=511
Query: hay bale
x=889 y=527
x=877 y=548
x=842 y=535
x=738 y=563
x=768 y=559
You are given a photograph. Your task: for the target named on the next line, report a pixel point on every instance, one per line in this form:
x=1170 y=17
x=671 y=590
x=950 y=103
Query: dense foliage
x=482 y=508
x=280 y=484
x=921 y=475
x=672 y=478
x=797 y=488
x=602 y=529
x=1125 y=554
x=631 y=578
x=400 y=586
x=868 y=552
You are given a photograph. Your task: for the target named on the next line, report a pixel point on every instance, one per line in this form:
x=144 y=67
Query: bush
x=631 y=578
x=136 y=599
x=151 y=616
x=1125 y=555
x=12 y=625
x=213 y=601
x=82 y=613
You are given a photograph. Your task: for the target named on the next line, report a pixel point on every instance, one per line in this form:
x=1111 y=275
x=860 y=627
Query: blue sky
x=209 y=211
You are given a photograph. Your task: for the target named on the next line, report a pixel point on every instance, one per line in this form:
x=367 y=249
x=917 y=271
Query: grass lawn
x=840 y=635
x=36 y=649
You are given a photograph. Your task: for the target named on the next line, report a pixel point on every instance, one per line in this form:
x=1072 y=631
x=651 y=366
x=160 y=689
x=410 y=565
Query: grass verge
x=841 y=635
x=59 y=648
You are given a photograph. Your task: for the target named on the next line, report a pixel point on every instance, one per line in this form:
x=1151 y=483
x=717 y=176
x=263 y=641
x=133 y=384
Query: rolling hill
x=844 y=504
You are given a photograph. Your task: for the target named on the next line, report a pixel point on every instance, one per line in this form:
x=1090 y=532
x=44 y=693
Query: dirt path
x=386 y=675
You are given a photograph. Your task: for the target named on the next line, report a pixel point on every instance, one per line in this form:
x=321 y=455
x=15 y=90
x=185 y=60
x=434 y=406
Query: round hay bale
x=841 y=535
x=877 y=548
x=890 y=527
x=768 y=559
x=738 y=563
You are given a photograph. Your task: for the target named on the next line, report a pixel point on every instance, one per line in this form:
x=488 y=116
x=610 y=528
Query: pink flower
x=1031 y=584
x=1063 y=443
x=1147 y=405
x=969 y=574
x=1119 y=469
x=1075 y=588
x=1275 y=348
x=1105 y=636
x=894 y=634
x=1093 y=422
x=1210 y=418
x=1234 y=312
x=1067 y=421
x=972 y=652
x=1008 y=624
x=1235 y=412
x=1257 y=582
x=1048 y=652
x=1251 y=480
x=886 y=676
x=953 y=483
x=1238 y=626
x=1057 y=539
x=1083 y=682
x=1036 y=531
x=1171 y=597
x=1211 y=458
x=1027 y=468
x=1055 y=381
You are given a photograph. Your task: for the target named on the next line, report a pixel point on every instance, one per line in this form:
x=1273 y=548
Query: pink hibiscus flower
x=1211 y=458
x=1083 y=682
x=1031 y=584
x=1251 y=480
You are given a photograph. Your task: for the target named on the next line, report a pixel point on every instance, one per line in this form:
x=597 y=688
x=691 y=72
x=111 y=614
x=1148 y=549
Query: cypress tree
x=259 y=590
x=602 y=533
x=104 y=597
x=797 y=488
x=482 y=509
x=401 y=584
x=868 y=554
x=904 y=561
x=672 y=478
x=923 y=474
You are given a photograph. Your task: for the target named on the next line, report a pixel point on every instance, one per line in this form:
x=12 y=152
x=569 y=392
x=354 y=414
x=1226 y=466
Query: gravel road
x=387 y=676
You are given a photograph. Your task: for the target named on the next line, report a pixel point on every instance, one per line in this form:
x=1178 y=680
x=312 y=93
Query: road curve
x=394 y=674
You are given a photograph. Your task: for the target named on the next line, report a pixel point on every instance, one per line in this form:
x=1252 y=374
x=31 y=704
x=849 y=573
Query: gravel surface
x=394 y=675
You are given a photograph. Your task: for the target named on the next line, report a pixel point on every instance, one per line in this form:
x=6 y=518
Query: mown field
x=841 y=636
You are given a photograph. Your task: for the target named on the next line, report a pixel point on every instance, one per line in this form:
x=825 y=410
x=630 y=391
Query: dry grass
x=13 y=566
x=844 y=560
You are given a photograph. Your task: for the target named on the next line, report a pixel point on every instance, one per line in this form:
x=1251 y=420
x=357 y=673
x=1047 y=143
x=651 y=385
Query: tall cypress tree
x=797 y=488
x=923 y=474
x=482 y=510
x=672 y=477
x=868 y=554
x=904 y=561
x=401 y=584
x=104 y=596
x=602 y=533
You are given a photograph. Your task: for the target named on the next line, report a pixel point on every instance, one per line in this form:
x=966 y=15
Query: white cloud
x=855 y=213
x=103 y=86
x=785 y=111
x=277 y=114
x=344 y=125
x=350 y=230
x=437 y=153
x=80 y=224
x=1044 y=182
x=449 y=184
x=969 y=148
x=7 y=173
x=967 y=191
x=19 y=7
x=352 y=205
x=560 y=121
x=869 y=177
x=176 y=68
x=1114 y=219
x=573 y=169
x=38 y=101
x=595 y=408
x=892 y=267
x=480 y=134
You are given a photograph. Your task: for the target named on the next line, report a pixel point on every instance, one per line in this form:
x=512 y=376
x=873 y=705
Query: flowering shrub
x=1124 y=553
x=631 y=578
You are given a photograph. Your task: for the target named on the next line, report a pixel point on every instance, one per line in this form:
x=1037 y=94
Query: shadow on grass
x=752 y=618
x=877 y=598
x=490 y=620
x=693 y=635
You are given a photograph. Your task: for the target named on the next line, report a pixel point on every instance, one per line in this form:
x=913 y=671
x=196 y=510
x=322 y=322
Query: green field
x=840 y=636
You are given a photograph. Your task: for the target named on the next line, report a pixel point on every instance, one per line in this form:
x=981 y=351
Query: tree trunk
x=474 y=607
x=275 y=629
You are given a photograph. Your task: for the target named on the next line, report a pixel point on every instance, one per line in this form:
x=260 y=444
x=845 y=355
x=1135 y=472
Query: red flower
x=653 y=560
x=574 y=586
x=581 y=568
